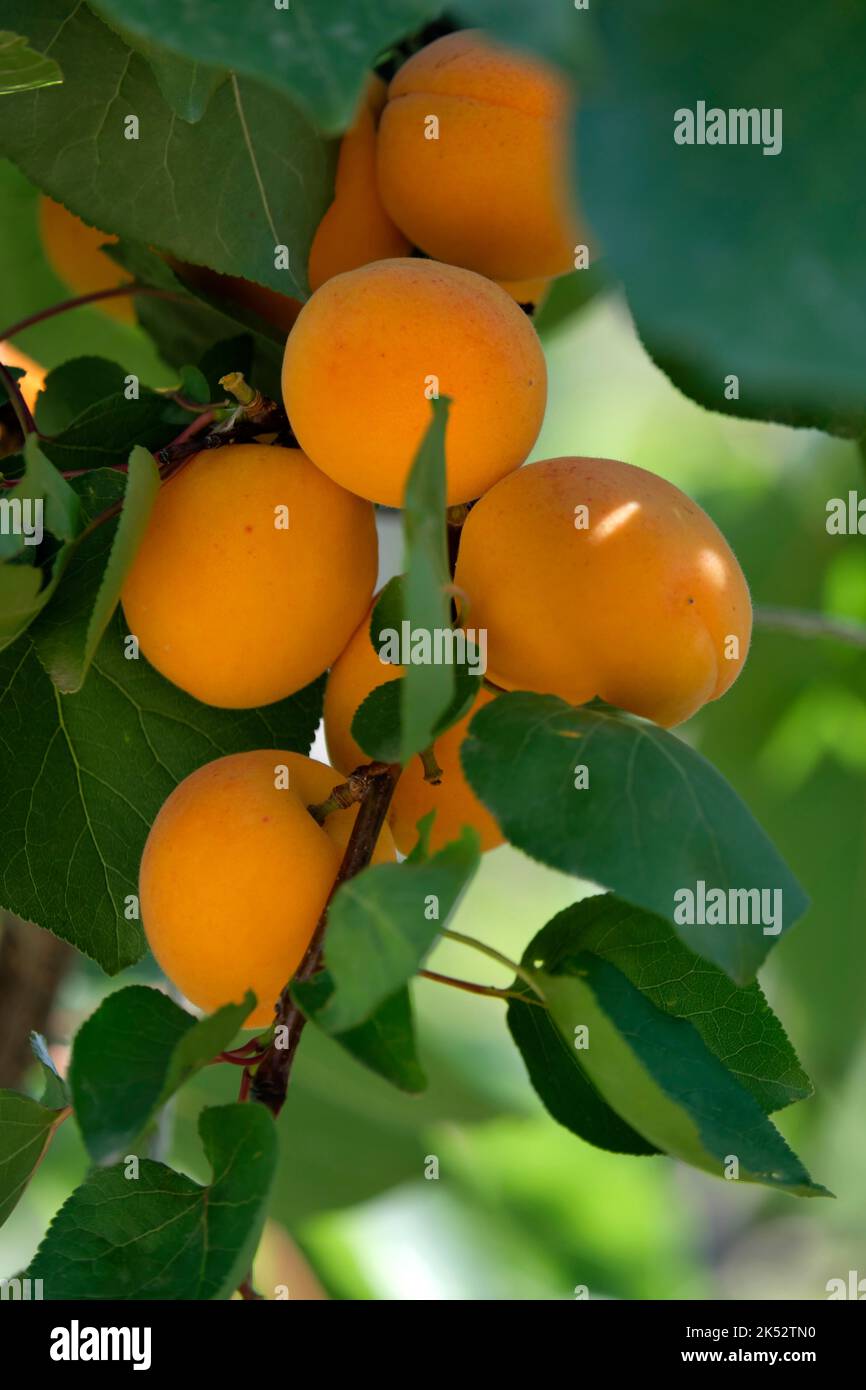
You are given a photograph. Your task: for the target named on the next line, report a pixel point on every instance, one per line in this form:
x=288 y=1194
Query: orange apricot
x=370 y=347
x=235 y=874
x=253 y=572
x=596 y=578
x=356 y=672
x=473 y=158
x=74 y=251
x=356 y=228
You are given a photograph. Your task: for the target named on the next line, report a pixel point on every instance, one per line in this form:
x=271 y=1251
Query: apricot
x=75 y=254
x=356 y=228
x=489 y=188
x=371 y=346
x=596 y=578
x=354 y=674
x=252 y=574
x=33 y=380
x=235 y=874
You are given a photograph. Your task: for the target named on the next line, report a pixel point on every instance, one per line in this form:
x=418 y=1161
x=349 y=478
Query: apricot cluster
x=589 y=577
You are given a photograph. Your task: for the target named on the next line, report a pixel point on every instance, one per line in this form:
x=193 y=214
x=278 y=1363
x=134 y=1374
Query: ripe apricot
x=235 y=873
x=75 y=254
x=33 y=380
x=639 y=599
x=489 y=188
x=354 y=674
x=371 y=346
x=252 y=574
x=356 y=228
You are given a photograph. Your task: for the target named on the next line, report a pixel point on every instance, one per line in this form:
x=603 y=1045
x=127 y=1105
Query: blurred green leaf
x=655 y=820
x=318 y=52
x=160 y=1235
x=707 y=238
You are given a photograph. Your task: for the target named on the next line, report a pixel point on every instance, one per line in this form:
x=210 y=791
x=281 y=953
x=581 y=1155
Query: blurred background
x=521 y=1209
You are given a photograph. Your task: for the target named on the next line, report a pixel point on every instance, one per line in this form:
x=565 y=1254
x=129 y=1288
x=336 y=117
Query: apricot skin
x=235 y=873
x=75 y=254
x=635 y=609
x=492 y=192
x=360 y=358
x=356 y=672
x=356 y=228
x=231 y=608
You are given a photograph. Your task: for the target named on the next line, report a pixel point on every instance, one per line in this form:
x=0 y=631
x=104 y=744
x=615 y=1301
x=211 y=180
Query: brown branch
x=81 y=299
x=17 y=401
x=271 y=1077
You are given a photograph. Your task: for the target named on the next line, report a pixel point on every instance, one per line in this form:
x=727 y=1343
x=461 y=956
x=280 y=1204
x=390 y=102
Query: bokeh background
x=521 y=1209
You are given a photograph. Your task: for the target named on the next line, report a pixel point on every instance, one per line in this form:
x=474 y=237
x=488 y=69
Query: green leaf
x=319 y=52
x=655 y=821
x=707 y=237
x=186 y=86
x=568 y=295
x=26 y=1130
x=160 y=1235
x=377 y=725
x=103 y=434
x=22 y=69
x=381 y=925
x=29 y=572
x=250 y=176
x=131 y=1056
x=194 y=385
x=70 y=628
x=73 y=388
x=35 y=286
x=76 y=807
x=559 y=33
x=657 y=1073
x=427 y=690
x=56 y=1095
x=384 y=1042
x=736 y=1024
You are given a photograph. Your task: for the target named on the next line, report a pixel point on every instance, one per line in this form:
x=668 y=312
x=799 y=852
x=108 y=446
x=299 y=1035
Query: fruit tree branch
x=802 y=624
x=271 y=1078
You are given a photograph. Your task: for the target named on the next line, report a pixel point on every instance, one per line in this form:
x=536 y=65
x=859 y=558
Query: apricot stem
x=432 y=770
x=347 y=793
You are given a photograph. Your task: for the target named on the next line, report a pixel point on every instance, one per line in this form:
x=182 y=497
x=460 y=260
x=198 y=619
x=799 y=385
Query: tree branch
x=802 y=624
x=271 y=1077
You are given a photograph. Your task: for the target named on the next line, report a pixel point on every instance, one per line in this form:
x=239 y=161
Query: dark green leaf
x=708 y=238
x=194 y=385
x=250 y=176
x=76 y=806
x=381 y=925
x=69 y=629
x=30 y=572
x=159 y=1234
x=317 y=51
x=654 y=823
x=131 y=1056
x=22 y=69
x=658 y=1074
x=75 y=387
x=26 y=1130
x=55 y=1096
x=103 y=434
x=384 y=1042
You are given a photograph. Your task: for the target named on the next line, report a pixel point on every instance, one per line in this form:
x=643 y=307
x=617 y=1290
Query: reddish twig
x=271 y=1080
x=81 y=299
